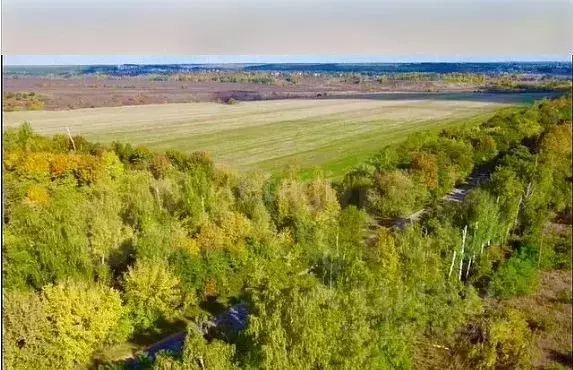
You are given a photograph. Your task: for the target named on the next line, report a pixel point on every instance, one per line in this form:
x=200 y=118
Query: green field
x=332 y=134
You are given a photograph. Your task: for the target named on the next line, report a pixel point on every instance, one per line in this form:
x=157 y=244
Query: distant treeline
x=551 y=68
x=539 y=68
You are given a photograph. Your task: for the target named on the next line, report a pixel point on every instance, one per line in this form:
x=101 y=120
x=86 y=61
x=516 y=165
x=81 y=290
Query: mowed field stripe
x=340 y=156
x=263 y=134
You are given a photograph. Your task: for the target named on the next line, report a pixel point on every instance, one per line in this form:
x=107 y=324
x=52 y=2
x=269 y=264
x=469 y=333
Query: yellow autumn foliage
x=35 y=165
x=427 y=164
x=323 y=202
x=11 y=160
x=63 y=164
x=37 y=195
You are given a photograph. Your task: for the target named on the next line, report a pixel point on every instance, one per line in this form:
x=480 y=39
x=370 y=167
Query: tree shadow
x=565 y=359
x=160 y=330
x=212 y=305
x=166 y=336
x=121 y=258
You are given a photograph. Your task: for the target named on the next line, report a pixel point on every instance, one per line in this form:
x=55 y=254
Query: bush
x=22 y=101
x=186 y=162
x=159 y=166
x=89 y=170
x=396 y=194
x=63 y=165
x=498 y=339
x=518 y=276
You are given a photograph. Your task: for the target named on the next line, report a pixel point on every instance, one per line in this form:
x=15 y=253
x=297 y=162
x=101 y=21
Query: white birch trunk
x=71 y=139
x=472 y=258
x=529 y=191
x=515 y=219
x=464 y=234
x=452 y=265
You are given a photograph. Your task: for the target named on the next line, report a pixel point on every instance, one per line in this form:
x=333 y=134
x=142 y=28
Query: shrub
x=22 y=101
x=112 y=165
x=159 y=166
x=89 y=170
x=35 y=165
x=396 y=194
x=37 y=195
x=498 y=339
x=186 y=162
x=427 y=165
x=516 y=277
x=63 y=165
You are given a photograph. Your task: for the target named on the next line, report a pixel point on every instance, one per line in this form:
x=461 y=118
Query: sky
x=257 y=31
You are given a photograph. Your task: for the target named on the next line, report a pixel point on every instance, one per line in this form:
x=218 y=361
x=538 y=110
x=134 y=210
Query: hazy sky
x=294 y=30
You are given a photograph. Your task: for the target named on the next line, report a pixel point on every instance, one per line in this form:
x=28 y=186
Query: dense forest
x=105 y=245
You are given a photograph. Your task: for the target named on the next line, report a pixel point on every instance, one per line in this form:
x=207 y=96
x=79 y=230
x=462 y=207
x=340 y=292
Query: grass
x=550 y=317
x=332 y=134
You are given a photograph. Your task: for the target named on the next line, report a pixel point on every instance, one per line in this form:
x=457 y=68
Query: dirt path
x=235 y=318
x=456 y=195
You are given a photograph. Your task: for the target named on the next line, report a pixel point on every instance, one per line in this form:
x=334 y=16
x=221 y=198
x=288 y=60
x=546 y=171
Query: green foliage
x=308 y=327
x=498 y=339
x=187 y=162
x=264 y=78
x=62 y=326
x=83 y=319
x=396 y=194
x=138 y=157
x=112 y=165
x=517 y=276
x=26 y=331
x=400 y=179
x=198 y=354
x=106 y=244
x=21 y=138
x=152 y=293
x=555 y=251
x=483 y=217
x=386 y=255
x=48 y=243
x=352 y=222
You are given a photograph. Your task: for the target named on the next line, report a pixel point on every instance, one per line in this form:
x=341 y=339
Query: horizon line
x=90 y=60
x=281 y=63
